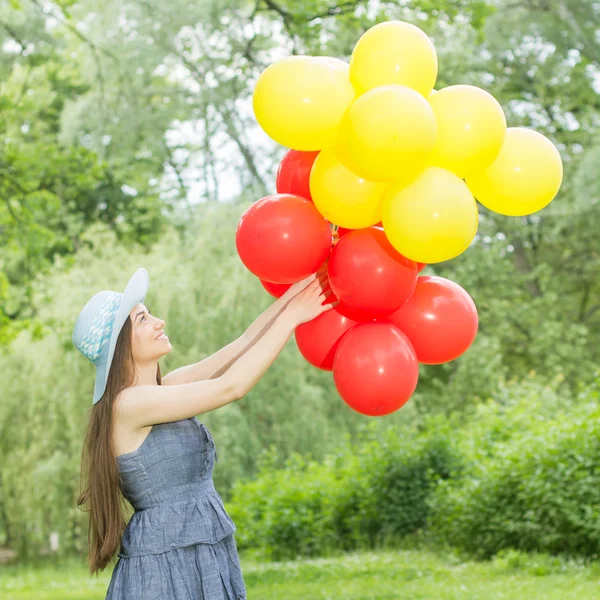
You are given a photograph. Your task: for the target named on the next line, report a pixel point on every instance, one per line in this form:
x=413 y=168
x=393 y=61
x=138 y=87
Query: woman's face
x=148 y=339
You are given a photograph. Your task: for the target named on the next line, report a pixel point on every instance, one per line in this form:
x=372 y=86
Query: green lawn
x=401 y=575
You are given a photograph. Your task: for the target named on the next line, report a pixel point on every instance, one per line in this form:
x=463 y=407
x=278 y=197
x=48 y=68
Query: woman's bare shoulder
x=126 y=436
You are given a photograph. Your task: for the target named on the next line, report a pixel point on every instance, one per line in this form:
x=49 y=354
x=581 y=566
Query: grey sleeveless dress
x=179 y=543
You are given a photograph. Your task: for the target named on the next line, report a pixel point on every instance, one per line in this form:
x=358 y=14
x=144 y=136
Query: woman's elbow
x=232 y=389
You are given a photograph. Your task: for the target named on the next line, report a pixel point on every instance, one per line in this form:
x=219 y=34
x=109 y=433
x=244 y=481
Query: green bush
x=395 y=478
x=360 y=497
x=286 y=512
x=540 y=491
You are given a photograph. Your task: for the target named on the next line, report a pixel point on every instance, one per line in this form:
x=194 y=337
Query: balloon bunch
x=381 y=179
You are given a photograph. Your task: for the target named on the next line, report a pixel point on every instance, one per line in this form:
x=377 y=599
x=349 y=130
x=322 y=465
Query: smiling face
x=147 y=339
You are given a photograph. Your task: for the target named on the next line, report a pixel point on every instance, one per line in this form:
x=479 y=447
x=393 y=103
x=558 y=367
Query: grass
x=398 y=575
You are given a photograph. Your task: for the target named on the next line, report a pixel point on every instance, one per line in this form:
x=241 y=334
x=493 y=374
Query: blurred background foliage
x=127 y=139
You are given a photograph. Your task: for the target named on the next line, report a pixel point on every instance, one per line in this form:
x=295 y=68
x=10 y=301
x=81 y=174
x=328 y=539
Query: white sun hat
x=99 y=323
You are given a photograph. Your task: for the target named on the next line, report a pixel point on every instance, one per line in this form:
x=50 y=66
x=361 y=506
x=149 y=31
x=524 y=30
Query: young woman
x=145 y=444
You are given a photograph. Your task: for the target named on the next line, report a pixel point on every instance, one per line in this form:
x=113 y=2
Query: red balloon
x=276 y=289
x=293 y=175
x=318 y=339
x=440 y=320
x=283 y=238
x=375 y=369
x=369 y=275
x=344 y=310
x=421 y=266
x=354 y=315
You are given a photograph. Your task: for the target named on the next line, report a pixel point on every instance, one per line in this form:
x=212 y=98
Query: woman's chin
x=167 y=350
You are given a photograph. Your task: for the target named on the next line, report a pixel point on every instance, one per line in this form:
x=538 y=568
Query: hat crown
x=94 y=326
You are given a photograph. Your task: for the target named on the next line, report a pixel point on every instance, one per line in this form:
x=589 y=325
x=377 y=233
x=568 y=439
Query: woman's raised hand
x=308 y=303
x=297 y=287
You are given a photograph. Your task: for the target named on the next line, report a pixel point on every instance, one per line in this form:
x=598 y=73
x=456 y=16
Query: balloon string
x=335 y=235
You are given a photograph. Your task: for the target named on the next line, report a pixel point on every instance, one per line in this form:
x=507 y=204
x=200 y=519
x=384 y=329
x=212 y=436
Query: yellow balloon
x=341 y=196
x=471 y=129
x=299 y=101
x=394 y=52
x=524 y=178
x=387 y=133
x=432 y=219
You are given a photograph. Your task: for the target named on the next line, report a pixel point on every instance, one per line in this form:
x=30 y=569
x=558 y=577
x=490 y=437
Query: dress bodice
x=168 y=481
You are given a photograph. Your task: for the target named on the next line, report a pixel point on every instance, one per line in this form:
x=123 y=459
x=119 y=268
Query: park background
x=128 y=139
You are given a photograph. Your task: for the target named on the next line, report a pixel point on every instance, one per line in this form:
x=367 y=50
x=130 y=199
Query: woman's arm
x=143 y=405
x=216 y=364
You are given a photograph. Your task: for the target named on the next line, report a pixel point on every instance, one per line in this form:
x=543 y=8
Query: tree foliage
x=120 y=120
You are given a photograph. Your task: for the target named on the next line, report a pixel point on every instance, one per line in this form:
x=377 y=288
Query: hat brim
x=135 y=292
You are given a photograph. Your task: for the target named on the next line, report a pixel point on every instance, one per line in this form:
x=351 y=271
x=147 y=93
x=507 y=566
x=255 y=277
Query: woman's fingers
x=320 y=275
x=310 y=280
x=324 y=279
x=326 y=307
x=314 y=285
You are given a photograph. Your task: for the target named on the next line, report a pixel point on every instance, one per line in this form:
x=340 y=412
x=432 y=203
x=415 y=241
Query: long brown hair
x=99 y=473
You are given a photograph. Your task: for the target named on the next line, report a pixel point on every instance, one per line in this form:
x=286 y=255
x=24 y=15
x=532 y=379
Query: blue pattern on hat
x=99 y=333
